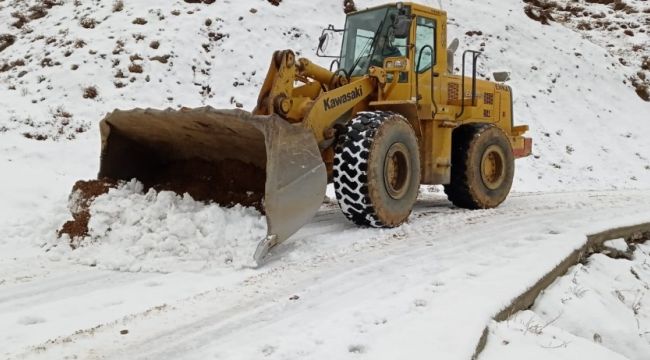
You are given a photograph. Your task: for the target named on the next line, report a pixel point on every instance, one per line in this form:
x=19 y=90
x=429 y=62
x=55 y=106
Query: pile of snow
x=133 y=230
x=617 y=244
x=601 y=308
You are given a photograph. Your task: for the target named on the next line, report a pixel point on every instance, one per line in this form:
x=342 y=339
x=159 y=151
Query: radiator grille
x=453 y=92
x=488 y=98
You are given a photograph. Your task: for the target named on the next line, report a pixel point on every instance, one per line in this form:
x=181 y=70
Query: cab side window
x=425 y=34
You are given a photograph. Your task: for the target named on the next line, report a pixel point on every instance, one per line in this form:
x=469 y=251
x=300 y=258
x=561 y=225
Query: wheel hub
x=493 y=167
x=397 y=173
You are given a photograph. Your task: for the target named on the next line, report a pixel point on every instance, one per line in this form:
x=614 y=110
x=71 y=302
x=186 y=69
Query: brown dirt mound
x=82 y=195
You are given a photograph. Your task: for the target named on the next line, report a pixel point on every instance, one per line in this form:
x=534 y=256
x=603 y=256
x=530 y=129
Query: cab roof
x=412 y=5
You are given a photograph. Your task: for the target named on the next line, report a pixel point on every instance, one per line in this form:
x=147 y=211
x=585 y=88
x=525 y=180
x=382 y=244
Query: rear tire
x=482 y=167
x=377 y=169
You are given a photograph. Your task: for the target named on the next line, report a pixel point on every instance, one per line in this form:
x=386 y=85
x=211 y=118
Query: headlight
x=389 y=64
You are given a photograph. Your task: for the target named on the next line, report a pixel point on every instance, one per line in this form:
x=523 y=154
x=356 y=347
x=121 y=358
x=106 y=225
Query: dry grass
x=349 y=6
x=136 y=68
x=51 y=3
x=139 y=21
x=6 y=40
x=162 y=59
x=118 y=6
x=21 y=19
x=88 y=23
x=48 y=62
x=39 y=137
x=90 y=92
x=10 y=65
x=37 y=12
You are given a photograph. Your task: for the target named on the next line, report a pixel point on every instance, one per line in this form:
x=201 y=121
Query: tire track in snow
x=62 y=286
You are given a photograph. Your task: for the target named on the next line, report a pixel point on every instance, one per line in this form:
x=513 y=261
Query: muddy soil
x=82 y=195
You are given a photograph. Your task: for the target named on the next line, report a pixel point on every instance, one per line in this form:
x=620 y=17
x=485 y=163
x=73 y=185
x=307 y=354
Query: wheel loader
x=388 y=116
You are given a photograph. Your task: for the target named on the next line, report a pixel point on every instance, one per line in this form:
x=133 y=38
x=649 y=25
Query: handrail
x=337 y=62
x=475 y=56
x=417 y=78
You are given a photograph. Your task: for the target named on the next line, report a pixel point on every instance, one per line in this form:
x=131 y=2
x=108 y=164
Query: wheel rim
x=493 y=171
x=397 y=174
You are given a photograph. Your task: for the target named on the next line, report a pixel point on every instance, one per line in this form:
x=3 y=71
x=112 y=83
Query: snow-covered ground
x=424 y=290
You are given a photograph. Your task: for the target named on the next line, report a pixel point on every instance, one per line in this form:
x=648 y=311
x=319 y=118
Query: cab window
x=425 y=34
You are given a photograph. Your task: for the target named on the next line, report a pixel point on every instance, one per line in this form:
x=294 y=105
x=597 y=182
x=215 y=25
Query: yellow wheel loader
x=391 y=117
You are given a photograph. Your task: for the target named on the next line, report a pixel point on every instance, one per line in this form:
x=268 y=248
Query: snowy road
x=428 y=287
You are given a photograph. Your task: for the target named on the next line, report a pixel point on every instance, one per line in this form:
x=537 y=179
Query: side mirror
x=328 y=35
x=501 y=76
x=322 y=42
x=402 y=26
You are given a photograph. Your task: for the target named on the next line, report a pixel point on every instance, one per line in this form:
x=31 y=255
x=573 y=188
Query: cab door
x=424 y=61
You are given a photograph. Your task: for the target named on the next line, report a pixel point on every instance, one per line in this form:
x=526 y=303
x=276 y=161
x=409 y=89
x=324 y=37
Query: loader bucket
x=224 y=156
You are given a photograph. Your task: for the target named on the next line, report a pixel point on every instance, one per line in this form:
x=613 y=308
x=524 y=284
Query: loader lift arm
x=322 y=99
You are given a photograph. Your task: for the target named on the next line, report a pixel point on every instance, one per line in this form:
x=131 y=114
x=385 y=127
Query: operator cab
x=403 y=39
x=373 y=35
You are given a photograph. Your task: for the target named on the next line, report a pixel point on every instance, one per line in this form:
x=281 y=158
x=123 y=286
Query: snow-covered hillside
x=622 y=27
x=333 y=288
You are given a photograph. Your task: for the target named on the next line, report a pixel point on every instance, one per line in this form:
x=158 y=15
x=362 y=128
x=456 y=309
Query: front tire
x=377 y=169
x=482 y=167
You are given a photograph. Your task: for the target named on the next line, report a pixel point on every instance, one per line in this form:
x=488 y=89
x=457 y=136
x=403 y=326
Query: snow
x=620 y=26
x=617 y=244
x=526 y=336
x=424 y=290
x=600 y=307
x=130 y=230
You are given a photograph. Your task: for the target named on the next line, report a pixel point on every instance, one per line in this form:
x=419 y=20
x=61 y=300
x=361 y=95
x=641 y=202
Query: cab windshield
x=369 y=39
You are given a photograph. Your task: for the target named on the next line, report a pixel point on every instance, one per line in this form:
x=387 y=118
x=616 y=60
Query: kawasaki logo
x=337 y=101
